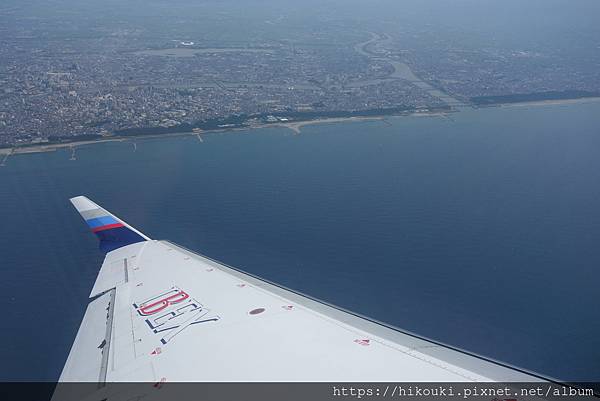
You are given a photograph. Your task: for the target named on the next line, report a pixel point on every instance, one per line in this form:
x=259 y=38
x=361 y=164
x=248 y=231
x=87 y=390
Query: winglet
x=112 y=232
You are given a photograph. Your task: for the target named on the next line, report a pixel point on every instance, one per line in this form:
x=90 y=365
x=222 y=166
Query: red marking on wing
x=157 y=306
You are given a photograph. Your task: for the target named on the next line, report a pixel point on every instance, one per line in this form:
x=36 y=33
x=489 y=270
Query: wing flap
x=89 y=351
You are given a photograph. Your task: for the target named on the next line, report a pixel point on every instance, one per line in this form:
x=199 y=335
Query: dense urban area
x=66 y=76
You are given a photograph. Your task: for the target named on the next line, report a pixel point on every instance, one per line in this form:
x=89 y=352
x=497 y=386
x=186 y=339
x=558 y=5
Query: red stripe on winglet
x=107 y=227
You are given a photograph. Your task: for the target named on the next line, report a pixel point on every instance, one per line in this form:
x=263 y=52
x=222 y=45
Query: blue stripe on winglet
x=101 y=221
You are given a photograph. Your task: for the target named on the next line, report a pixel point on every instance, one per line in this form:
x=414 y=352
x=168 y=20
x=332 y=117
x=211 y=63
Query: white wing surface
x=163 y=313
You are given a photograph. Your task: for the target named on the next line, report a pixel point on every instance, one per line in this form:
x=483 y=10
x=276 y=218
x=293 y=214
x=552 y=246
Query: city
x=89 y=82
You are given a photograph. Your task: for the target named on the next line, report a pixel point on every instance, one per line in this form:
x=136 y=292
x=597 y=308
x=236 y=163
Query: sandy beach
x=548 y=102
x=54 y=146
x=295 y=126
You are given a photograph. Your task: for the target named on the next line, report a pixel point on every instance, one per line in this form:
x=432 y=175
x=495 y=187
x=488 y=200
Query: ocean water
x=480 y=230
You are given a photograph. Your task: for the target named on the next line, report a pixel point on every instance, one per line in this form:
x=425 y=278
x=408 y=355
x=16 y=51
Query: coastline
x=547 y=102
x=295 y=126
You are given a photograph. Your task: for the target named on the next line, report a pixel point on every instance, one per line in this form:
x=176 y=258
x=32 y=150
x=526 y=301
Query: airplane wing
x=159 y=312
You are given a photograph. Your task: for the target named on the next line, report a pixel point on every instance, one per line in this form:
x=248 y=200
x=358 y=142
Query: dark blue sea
x=481 y=230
